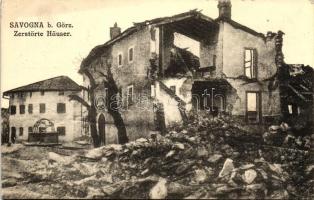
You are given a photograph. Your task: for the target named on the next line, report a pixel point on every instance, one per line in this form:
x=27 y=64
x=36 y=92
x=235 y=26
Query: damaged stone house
x=167 y=67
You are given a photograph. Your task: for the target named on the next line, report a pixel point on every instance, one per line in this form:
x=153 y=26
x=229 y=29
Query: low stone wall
x=52 y=137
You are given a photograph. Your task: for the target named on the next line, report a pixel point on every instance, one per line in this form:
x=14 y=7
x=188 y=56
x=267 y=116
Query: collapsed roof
x=193 y=24
x=300 y=83
x=182 y=61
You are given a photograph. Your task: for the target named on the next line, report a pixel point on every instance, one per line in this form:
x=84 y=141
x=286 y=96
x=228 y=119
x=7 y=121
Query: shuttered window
x=42 y=108
x=61 y=108
x=120 y=59
x=61 y=130
x=30 y=108
x=130 y=94
x=22 y=109
x=131 y=52
x=21 y=131
x=13 y=110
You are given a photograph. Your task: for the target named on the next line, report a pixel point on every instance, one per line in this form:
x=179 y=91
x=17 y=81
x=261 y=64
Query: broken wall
x=270 y=99
x=167 y=38
x=170 y=106
x=234 y=43
x=183 y=88
x=208 y=51
x=231 y=66
x=205 y=49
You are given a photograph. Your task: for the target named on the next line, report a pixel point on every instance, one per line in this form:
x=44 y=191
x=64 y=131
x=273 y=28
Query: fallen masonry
x=196 y=160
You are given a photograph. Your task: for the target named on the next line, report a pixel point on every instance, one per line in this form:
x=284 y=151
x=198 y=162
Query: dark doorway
x=210 y=95
x=102 y=128
x=13 y=134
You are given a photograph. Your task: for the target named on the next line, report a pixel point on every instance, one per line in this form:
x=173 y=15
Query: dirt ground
x=207 y=158
x=18 y=163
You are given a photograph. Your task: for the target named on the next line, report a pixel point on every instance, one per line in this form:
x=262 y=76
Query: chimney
x=114 y=31
x=224 y=7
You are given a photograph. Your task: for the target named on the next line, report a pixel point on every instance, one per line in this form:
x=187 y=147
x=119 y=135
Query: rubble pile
x=284 y=135
x=196 y=160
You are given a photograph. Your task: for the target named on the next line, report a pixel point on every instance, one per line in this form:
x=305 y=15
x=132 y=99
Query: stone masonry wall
x=232 y=67
x=139 y=119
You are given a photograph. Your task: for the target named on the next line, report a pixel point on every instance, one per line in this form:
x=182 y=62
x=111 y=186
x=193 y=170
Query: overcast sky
x=29 y=59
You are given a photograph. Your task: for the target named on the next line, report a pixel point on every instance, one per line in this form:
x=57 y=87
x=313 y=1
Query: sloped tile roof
x=98 y=50
x=60 y=83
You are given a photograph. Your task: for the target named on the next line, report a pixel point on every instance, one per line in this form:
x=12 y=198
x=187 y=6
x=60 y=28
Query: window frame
x=253 y=60
x=290 y=109
x=118 y=57
x=259 y=108
x=21 y=131
x=40 y=108
x=13 y=128
x=22 y=108
x=214 y=60
x=132 y=96
x=30 y=111
x=131 y=61
x=30 y=129
x=62 y=111
x=64 y=130
x=61 y=93
x=11 y=113
x=295 y=109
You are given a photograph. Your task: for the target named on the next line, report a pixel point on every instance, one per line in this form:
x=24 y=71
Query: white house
x=47 y=99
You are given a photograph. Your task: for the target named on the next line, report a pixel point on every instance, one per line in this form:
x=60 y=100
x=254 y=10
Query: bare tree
x=112 y=106
x=113 y=101
x=91 y=108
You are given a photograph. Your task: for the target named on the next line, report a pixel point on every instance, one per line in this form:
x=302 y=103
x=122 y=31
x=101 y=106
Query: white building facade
x=49 y=100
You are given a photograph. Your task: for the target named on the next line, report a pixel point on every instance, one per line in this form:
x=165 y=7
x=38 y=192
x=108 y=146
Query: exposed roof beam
x=192 y=32
x=297 y=93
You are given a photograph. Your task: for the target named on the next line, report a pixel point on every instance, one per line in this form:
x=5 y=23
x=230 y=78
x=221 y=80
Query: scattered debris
x=227 y=168
x=196 y=160
x=65 y=160
x=214 y=158
x=159 y=191
x=5 y=149
x=10 y=182
x=249 y=176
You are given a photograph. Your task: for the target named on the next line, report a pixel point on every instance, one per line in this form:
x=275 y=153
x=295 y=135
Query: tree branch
x=84 y=88
x=91 y=78
x=74 y=97
x=103 y=74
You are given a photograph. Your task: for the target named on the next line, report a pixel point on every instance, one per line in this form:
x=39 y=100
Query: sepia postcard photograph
x=157 y=99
